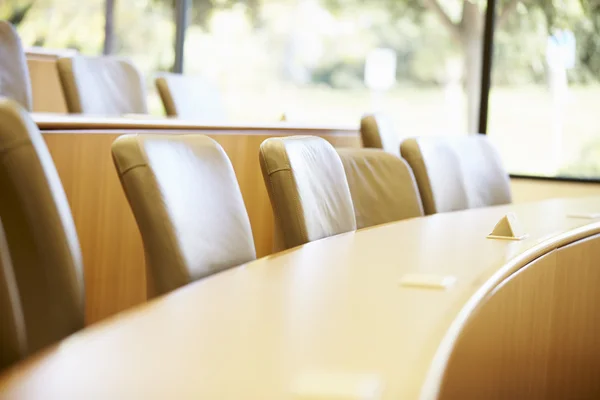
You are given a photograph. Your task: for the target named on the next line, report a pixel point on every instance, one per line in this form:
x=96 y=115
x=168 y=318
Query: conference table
x=422 y=308
x=111 y=244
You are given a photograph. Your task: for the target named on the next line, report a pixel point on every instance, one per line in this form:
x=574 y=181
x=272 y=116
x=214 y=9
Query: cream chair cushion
x=188 y=205
x=457 y=172
x=377 y=132
x=102 y=85
x=382 y=185
x=308 y=189
x=190 y=97
x=12 y=325
x=14 y=75
x=40 y=233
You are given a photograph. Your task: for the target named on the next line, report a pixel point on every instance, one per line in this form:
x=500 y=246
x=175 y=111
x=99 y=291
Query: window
x=58 y=24
x=142 y=30
x=330 y=61
x=546 y=74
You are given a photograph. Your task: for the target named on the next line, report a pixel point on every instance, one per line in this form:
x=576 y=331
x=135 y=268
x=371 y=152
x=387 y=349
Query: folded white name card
x=324 y=385
x=508 y=228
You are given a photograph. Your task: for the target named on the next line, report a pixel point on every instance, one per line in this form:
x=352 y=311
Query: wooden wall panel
x=537 y=335
x=45 y=85
x=110 y=241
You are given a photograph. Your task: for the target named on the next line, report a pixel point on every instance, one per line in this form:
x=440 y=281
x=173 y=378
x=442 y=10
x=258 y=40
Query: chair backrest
x=190 y=97
x=14 y=74
x=188 y=206
x=40 y=233
x=377 y=132
x=382 y=185
x=308 y=190
x=12 y=326
x=102 y=85
x=457 y=172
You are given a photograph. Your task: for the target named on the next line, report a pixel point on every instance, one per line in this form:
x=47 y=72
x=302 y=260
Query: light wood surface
x=110 y=241
x=536 y=190
x=537 y=333
x=111 y=244
x=75 y=122
x=331 y=315
x=45 y=83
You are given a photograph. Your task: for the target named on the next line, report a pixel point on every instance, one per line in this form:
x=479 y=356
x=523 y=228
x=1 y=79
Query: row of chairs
x=187 y=202
x=452 y=172
x=188 y=205
x=108 y=86
x=185 y=197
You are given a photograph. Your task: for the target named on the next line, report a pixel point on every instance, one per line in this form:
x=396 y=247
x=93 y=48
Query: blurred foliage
x=202 y=10
x=321 y=41
x=587 y=164
x=14 y=11
x=397 y=9
x=588 y=47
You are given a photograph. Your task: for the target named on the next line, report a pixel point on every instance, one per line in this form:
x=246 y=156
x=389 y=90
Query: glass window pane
x=331 y=61
x=144 y=31
x=58 y=24
x=545 y=83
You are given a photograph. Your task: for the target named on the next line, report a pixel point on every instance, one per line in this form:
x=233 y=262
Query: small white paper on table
x=593 y=215
x=428 y=281
x=323 y=385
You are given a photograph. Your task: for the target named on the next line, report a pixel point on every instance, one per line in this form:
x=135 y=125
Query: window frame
x=486 y=78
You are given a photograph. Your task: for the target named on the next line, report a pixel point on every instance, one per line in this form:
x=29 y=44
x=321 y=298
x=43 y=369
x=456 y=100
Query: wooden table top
x=62 y=122
x=330 y=316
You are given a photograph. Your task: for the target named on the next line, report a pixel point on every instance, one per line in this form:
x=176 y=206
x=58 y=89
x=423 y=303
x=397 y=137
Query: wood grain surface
x=333 y=317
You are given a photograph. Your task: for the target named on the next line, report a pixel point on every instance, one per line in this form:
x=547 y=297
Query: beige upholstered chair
x=188 y=205
x=12 y=325
x=308 y=190
x=377 y=132
x=40 y=233
x=189 y=97
x=14 y=75
x=382 y=185
x=102 y=86
x=457 y=173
